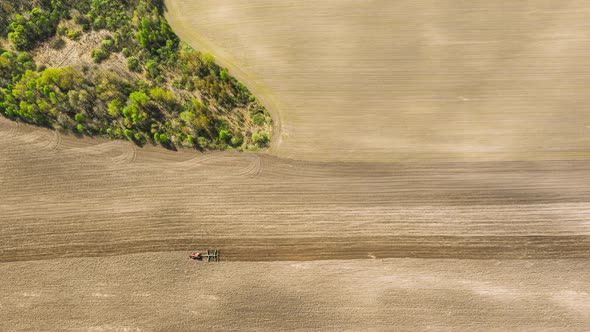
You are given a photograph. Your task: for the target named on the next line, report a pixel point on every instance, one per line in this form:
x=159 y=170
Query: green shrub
x=79 y=117
x=260 y=139
x=73 y=34
x=99 y=23
x=128 y=133
x=133 y=64
x=207 y=59
x=139 y=98
x=99 y=55
x=223 y=75
x=152 y=68
x=114 y=108
x=164 y=139
x=108 y=45
x=258 y=119
x=61 y=30
x=237 y=140
x=224 y=135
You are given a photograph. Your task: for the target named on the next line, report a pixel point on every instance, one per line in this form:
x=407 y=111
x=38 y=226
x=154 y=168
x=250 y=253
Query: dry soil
x=438 y=179
x=407 y=80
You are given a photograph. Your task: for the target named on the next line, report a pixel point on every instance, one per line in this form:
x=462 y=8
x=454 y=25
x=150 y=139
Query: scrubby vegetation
x=173 y=95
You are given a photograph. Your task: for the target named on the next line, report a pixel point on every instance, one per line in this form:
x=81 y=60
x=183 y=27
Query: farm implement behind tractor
x=210 y=255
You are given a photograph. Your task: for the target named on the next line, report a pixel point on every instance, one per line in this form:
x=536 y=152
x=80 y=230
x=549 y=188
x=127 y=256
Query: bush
x=224 y=135
x=128 y=133
x=108 y=45
x=152 y=69
x=260 y=139
x=57 y=44
x=164 y=139
x=61 y=30
x=99 y=55
x=79 y=117
x=114 y=108
x=207 y=59
x=258 y=119
x=133 y=64
x=223 y=75
x=73 y=34
x=237 y=140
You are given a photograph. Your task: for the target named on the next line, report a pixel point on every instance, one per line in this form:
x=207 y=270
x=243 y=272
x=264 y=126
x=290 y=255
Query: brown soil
x=167 y=292
x=74 y=209
x=443 y=183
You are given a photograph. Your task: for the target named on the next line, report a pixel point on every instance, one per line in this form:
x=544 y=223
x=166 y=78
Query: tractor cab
x=196 y=256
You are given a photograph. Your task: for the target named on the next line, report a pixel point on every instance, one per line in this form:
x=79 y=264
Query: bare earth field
x=162 y=292
x=430 y=170
x=407 y=80
x=502 y=245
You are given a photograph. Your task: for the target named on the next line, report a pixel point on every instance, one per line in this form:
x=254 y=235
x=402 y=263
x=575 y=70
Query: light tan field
x=407 y=80
x=164 y=292
x=439 y=180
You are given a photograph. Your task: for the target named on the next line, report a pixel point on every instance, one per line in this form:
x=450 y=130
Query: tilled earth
x=400 y=80
x=167 y=292
x=429 y=170
x=67 y=197
x=95 y=236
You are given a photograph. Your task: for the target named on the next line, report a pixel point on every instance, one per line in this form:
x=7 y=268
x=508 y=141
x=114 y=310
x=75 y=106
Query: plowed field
x=430 y=169
x=407 y=80
x=65 y=200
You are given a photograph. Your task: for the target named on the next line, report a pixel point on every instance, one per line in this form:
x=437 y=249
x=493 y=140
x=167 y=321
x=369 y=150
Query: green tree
x=139 y=98
x=114 y=108
x=133 y=64
x=258 y=119
x=99 y=55
x=164 y=139
x=223 y=75
x=224 y=135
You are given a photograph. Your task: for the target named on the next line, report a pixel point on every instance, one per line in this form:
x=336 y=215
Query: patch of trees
x=180 y=98
x=25 y=31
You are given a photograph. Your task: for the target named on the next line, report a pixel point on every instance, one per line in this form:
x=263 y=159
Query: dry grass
x=77 y=54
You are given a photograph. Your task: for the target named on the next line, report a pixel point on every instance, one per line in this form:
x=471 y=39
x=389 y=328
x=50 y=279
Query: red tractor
x=196 y=256
x=211 y=255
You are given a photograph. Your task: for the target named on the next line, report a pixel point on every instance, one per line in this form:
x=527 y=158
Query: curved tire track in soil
x=8 y=128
